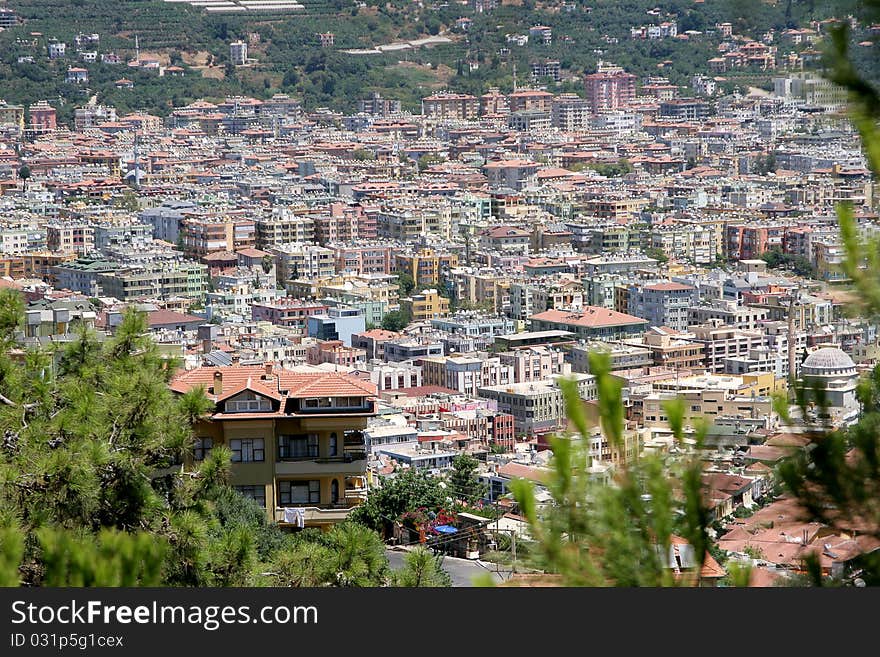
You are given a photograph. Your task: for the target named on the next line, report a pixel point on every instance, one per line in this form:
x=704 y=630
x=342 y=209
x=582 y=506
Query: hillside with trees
x=288 y=57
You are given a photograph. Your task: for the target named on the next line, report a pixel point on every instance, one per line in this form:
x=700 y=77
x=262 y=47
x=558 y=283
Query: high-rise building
x=451 y=106
x=610 y=87
x=43 y=118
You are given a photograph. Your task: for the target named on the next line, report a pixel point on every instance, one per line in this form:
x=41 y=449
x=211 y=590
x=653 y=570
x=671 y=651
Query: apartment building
x=729 y=313
x=345 y=223
x=549 y=68
x=609 y=88
x=299 y=260
x=425 y=265
x=70 y=238
x=408 y=224
x=373 y=342
x=425 y=305
x=334 y=352
x=622 y=356
x=286 y=311
x=686 y=244
x=465 y=373
x=570 y=113
x=14 y=241
x=670 y=349
x=12 y=115
x=528 y=100
x=510 y=174
x=412 y=349
x=720 y=342
x=390 y=376
x=663 y=304
x=297 y=439
x=202 y=236
x=590 y=323
x=283 y=228
x=451 y=106
x=471 y=323
x=747 y=241
x=534 y=363
x=161 y=280
x=537 y=407
x=336 y=323
x=364 y=259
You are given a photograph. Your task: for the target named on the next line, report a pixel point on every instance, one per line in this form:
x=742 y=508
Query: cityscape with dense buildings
x=383 y=289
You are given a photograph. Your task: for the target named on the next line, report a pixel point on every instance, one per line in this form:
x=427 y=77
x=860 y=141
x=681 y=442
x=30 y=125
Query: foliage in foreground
x=618 y=533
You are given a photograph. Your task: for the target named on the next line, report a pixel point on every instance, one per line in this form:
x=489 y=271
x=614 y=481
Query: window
x=256 y=493
x=334 y=492
x=296 y=447
x=247 y=450
x=319 y=402
x=334 y=444
x=299 y=492
x=202 y=448
x=248 y=401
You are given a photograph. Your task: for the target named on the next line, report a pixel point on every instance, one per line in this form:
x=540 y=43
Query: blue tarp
x=445 y=529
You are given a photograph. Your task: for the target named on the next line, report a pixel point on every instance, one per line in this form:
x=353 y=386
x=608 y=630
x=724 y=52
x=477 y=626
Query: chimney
x=268 y=367
x=218 y=383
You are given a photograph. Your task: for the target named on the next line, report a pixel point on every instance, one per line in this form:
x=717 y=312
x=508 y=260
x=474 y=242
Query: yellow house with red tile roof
x=296 y=438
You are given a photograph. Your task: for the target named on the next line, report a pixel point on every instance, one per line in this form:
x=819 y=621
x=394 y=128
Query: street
x=462 y=571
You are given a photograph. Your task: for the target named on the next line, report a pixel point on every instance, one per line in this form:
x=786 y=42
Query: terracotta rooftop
x=590 y=317
x=297 y=385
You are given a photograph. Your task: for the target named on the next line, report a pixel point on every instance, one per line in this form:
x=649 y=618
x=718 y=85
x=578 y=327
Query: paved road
x=462 y=571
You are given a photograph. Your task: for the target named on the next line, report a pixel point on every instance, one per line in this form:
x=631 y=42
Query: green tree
x=464 y=479
x=363 y=154
x=595 y=534
x=405 y=283
x=24 y=173
x=396 y=320
x=421 y=568
x=129 y=201
x=409 y=490
x=90 y=476
x=658 y=254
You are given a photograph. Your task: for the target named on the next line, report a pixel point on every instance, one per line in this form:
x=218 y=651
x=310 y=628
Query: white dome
x=828 y=360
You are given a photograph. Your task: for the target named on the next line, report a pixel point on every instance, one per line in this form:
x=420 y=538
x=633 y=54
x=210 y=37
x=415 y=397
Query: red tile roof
x=379 y=334
x=518 y=471
x=590 y=317
x=164 y=317
x=669 y=287
x=298 y=385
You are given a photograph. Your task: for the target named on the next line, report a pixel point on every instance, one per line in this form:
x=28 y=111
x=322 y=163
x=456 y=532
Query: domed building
x=830 y=369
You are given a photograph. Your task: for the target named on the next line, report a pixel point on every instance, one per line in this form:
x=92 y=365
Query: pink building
x=43 y=117
x=609 y=88
x=335 y=352
x=345 y=223
x=287 y=311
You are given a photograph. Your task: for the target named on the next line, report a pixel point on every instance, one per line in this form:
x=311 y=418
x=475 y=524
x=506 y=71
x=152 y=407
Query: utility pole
x=792 y=377
x=513 y=549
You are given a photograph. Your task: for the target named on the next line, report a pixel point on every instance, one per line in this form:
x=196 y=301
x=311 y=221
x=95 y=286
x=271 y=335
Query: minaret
x=137 y=49
x=514 y=77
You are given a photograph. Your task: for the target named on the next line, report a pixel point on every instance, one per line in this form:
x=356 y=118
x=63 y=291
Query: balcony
x=350 y=464
x=316 y=515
